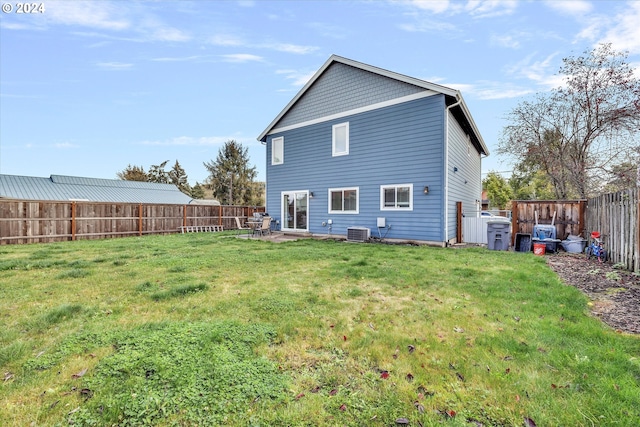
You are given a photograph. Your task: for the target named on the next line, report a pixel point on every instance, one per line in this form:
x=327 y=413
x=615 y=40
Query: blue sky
x=89 y=87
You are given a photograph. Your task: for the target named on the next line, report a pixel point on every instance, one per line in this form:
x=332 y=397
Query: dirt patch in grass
x=615 y=293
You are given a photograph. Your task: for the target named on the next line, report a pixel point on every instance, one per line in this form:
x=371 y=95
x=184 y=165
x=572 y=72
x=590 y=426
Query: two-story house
x=363 y=147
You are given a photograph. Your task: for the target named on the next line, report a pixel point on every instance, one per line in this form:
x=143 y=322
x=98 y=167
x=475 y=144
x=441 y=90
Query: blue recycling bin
x=546 y=233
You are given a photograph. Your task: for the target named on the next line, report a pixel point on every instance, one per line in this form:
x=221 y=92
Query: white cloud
x=115 y=65
x=177 y=59
x=102 y=15
x=538 y=72
x=298 y=78
x=230 y=40
x=290 y=48
x=242 y=57
x=505 y=40
x=226 y=40
x=570 y=7
x=625 y=31
x=429 y=25
x=491 y=8
x=169 y=34
x=476 y=8
x=434 y=6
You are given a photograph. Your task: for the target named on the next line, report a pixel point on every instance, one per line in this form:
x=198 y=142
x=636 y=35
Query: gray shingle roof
x=65 y=188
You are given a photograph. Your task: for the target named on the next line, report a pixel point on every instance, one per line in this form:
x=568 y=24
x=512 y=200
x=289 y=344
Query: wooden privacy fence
x=567 y=216
x=615 y=216
x=27 y=221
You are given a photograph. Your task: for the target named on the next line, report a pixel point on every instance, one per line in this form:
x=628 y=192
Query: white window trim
x=273 y=157
x=395 y=208
x=334 y=153
x=343 y=212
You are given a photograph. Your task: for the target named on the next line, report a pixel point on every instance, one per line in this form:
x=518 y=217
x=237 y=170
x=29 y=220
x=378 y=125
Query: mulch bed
x=614 y=292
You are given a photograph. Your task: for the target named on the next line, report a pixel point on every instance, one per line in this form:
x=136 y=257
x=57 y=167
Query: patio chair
x=265 y=228
x=241 y=227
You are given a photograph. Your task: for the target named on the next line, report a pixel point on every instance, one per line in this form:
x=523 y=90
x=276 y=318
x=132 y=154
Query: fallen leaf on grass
x=7 y=376
x=458 y=330
x=411 y=348
x=343 y=407
x=384 y=375
x=79 y=374
x=528 y=422
x=409 y=377
x=419 y=407
x=333 y=392
x=402 y=421
x=86 y=393
x=299 y=396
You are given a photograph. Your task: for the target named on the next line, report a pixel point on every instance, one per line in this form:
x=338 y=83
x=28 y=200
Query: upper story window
x=277 y=150
x=340 y=139
x=343 y=200
x=396 y=197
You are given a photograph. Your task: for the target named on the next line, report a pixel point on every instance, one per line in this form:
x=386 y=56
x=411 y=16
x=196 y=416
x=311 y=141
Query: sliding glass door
x=295 y=210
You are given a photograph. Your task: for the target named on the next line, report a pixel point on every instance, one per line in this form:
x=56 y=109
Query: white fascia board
x=465 y=110
x=352 y=112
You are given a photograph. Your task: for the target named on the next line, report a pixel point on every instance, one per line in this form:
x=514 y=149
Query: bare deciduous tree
x=580 y=133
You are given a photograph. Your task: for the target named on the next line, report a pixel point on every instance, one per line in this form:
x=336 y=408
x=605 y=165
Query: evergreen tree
x=197 y=191
x=230 y=175
x=133 y=173
x=178 y=177
x=158 y=174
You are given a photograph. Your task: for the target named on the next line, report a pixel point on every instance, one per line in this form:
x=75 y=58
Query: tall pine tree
x=230 y=175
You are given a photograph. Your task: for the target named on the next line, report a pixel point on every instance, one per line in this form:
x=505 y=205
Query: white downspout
x=446 y=168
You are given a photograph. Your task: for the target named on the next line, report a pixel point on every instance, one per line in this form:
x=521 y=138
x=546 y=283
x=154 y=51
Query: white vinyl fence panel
x=474 y=229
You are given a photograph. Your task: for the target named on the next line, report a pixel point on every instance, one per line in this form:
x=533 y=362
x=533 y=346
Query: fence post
x=140 y=219
x=515 y=226
x=184 y=215
x=73 y=221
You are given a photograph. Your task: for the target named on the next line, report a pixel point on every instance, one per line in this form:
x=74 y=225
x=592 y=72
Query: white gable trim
x=354 y=111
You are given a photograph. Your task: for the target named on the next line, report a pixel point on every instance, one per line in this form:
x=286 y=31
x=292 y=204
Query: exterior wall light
x=426 y=189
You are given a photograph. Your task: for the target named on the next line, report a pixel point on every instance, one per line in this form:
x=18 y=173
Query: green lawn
x=207 y=330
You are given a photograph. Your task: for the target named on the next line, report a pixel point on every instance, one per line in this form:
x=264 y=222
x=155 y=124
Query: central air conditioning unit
x=358 y=234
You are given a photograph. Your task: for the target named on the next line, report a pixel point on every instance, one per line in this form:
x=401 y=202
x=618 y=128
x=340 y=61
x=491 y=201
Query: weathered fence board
x=23 y=221
x=615 y=216
x=568 y=218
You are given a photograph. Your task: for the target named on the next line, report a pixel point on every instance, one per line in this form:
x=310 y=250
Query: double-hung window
x=396 y=197
x=277 y=150
x=340 y=139
x=343 y=200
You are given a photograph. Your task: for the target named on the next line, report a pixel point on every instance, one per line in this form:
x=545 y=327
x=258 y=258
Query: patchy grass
x=212 y=330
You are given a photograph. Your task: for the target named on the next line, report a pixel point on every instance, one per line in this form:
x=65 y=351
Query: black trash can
x=498 y=234
x=523 y=242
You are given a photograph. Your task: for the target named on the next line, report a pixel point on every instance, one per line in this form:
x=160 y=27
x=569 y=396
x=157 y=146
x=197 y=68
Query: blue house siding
x=399 y=144
x=342 y=88
x=465 y=183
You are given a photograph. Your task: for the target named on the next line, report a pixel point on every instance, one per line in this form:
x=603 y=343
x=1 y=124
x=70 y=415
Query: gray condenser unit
x=358 y=234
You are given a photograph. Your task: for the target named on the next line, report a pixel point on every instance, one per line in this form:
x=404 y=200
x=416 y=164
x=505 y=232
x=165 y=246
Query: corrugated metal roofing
x=64 y=188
